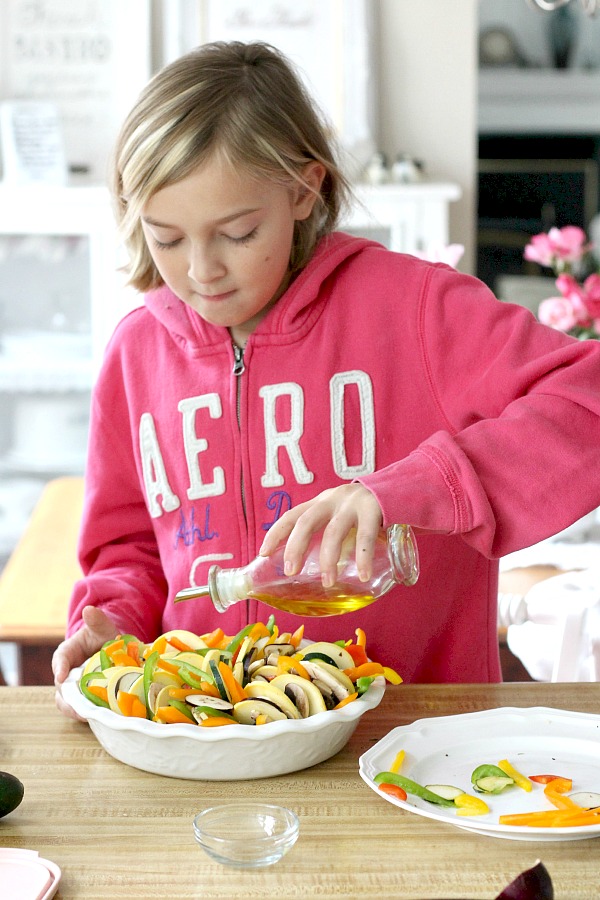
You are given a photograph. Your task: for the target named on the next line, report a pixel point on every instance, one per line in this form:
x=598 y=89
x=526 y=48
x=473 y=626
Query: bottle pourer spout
x=191 y=593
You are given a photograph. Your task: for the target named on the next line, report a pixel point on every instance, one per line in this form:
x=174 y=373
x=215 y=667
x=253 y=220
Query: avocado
x=11 y=793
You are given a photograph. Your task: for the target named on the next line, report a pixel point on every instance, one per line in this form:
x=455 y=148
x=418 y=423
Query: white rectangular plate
x=535 y=740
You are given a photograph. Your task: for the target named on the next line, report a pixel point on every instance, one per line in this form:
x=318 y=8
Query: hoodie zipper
x=239 y=367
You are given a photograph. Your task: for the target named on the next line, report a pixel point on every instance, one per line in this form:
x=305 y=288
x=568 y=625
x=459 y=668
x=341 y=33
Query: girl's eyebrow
x=236 y=215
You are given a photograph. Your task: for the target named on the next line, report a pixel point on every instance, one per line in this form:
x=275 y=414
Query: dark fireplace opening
x=527 y=184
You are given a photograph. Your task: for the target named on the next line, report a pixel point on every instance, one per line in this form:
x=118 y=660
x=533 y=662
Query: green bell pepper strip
x=105 y=660
x=364 y=683
x=270 y=624
x=412 y=787
x=128 y=638
x=83 y=683
x=149 y=669
x=201 y=652
x=183 y=708
x=235 y=642
x=211 y=711
x=191 y=675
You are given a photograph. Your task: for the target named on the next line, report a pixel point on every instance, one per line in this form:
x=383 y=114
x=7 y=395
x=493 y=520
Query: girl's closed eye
x=165 y=245
x=243 y=239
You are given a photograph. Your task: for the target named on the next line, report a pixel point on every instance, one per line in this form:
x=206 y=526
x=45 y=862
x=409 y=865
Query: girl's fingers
x=65 y=709
x=365 y=550
x=335 y=512
x=362 y=514
x=310 y=522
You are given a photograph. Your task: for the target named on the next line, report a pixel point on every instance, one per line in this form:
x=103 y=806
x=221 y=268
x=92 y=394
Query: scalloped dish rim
x=110 y=719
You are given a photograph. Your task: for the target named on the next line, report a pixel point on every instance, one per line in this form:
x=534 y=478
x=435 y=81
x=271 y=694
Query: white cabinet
x=408 y=218
x=61 y=294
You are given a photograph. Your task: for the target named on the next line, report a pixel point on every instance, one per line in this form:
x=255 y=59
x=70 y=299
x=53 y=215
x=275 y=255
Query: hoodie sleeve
x=117 y=546
x=519 y=454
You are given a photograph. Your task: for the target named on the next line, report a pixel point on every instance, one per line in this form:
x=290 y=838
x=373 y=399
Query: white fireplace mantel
x=539 y=101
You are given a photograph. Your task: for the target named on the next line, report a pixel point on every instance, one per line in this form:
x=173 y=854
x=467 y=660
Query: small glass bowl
x=246 y=835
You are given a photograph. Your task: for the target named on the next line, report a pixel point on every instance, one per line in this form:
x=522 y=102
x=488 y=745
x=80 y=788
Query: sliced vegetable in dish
x=252 y=678
x=441 y=794
x=581 y=808
x=519 y=779
x=489 y=779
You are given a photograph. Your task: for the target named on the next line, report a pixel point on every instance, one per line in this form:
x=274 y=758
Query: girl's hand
x=97 y=628
x=335 y=511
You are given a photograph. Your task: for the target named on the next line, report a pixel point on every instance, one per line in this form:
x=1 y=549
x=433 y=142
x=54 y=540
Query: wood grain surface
x=118 y=832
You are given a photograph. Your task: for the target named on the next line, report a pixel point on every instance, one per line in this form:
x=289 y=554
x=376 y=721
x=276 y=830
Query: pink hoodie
x=463 y=415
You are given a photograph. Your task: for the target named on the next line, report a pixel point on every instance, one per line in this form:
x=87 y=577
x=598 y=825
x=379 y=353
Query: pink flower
x=450 y=254
x=591 y=298
x=575 y=294
x=558 y=312
x=577 y=310
x=558 y=247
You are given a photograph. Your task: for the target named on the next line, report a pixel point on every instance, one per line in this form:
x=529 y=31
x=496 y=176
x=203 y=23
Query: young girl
x=283 y=378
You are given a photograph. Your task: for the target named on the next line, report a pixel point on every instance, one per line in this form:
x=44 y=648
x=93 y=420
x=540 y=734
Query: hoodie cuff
x=432 y=488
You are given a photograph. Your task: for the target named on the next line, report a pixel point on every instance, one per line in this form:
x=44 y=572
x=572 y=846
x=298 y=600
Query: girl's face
x=221 y=240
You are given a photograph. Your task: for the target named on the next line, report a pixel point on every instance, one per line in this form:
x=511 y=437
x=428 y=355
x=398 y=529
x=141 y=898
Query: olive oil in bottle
x=395 y=562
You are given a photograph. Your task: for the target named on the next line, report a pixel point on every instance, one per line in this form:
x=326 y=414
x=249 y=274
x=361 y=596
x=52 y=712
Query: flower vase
x=562 y=32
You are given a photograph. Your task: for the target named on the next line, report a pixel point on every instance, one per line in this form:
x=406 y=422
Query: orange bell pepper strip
x=133 y=651
x=232 y=686
x=214 y=638
x=361 y=638
x=346 y=700
x=555 y=791
x=118 y=654
x=167 y=666
x=179 y=645
x=131 y=705
x=297 y=636
x=291 y=664
x=368 y=668
x=98 y=691
x=168 y=715
x=182 y=693
x=553 y=818
x=216 y=721
x=259 y=630
x=211 y=689
x=122 y=658
x=373 y=668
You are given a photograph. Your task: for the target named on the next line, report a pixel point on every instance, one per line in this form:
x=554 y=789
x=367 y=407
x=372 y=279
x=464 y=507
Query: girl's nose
x=204 y=265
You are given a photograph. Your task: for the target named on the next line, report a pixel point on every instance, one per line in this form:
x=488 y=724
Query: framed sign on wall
x=330 y=41
x=90 y=58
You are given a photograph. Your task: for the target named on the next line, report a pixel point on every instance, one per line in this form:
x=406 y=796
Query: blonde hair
x=244 y=101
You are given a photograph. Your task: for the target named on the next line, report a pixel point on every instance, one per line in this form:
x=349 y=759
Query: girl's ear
x=309 y=189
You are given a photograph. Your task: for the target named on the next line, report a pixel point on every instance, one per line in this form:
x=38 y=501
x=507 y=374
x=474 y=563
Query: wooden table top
x=119 y=832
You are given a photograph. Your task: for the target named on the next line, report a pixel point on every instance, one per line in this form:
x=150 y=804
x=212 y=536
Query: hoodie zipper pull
x=238 y=365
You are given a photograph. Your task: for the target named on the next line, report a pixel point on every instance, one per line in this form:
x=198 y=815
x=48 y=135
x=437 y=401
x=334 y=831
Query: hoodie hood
x=294 y=309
